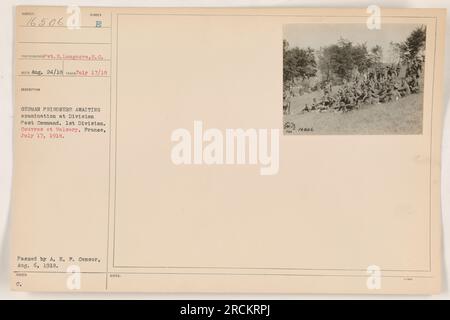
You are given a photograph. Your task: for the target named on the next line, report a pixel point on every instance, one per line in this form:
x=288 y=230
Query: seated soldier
x=341 y=106
x=389 y=94
x=414 y=85
x=364 y=96
x=350 y=101
x=323 y=107
x=395 y=94
x=383 y=94
x=373 y=96
x=326 y=102
x=404 y=88
x=314 y=105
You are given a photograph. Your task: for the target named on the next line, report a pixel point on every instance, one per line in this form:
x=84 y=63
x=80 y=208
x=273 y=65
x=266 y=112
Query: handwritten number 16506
x=45 y=22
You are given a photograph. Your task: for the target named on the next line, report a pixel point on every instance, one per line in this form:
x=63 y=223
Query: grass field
x=400 y=117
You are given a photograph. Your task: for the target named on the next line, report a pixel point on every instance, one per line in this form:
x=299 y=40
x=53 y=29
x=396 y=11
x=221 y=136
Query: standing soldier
x=286 y=102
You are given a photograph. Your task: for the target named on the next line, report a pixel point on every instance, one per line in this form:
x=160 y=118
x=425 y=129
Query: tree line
x=340 y=61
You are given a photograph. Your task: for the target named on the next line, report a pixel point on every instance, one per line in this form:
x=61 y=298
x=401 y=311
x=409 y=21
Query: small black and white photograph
x=347 y=79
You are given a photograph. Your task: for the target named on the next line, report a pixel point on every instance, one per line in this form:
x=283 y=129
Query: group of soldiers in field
x=385 y=84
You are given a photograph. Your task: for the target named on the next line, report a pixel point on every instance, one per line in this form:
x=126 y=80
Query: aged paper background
x=134 y=230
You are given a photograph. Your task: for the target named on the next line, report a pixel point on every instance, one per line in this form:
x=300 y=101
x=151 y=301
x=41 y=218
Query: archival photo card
x=151 y=152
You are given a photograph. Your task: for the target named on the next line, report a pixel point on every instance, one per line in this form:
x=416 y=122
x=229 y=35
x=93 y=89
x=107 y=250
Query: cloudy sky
x=321 y=34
